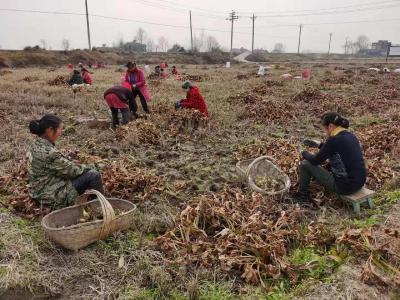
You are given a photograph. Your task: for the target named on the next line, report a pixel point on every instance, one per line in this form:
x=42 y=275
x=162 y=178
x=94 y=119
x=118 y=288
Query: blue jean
x=90 y=180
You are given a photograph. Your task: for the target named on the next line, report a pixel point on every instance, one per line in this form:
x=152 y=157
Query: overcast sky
x=19 y=29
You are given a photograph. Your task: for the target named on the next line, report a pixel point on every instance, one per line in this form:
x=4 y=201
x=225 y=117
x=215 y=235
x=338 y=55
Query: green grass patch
x=368 y=222
x=317 y=266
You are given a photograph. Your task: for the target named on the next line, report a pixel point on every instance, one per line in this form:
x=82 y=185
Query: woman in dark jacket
x=343 y=150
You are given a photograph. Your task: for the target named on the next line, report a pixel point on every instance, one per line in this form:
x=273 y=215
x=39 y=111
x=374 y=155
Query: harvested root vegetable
x=269 y=183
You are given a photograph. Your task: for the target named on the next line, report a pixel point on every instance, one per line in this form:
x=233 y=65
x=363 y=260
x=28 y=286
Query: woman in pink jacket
x=136 y=79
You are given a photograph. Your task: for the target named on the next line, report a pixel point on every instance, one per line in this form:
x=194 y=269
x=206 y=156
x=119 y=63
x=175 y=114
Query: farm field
x=199 y=232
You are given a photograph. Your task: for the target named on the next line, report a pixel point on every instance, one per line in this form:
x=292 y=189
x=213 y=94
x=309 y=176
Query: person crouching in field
x=194 y=99
x=55 y=180
x=347 y=172
x=86 y=77
x=76 y=78
x=120 y=98
x=136 y=79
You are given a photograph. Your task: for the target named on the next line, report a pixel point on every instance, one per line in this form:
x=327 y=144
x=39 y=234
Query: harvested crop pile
x=155 y=82
x=263 y=90
x=242 y=77
x=153 y=76
x=177 y=121
x=124 y=180
x=16 y=186
x=390 y=93
x=284 y=151
x=252 y=96
x=379 y=143
x=338 y=80
x=311 y=100
x=308 y=95
x=5 y=72
x=371 y=104
x=139 y=132
x=249 y=235
x=382 y=247
x=245 y=97
x=272 y=83
x=196 y=78
x=59 y=80
x=30 y=78
x=268 y=111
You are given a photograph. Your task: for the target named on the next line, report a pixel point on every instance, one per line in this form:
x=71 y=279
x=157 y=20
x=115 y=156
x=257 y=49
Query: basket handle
x=108 y=213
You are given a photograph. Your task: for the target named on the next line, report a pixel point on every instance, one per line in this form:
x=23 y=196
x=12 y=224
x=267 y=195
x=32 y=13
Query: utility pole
x=298 y=48
x=330 y=40
x=232 y=17
x=252 y=38
x=87 y=24
x=191 y=30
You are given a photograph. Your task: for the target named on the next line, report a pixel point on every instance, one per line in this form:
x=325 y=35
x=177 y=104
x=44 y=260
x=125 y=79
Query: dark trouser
x=319 y=174
x=133 y=105
x=90 y=180
x=125 y=116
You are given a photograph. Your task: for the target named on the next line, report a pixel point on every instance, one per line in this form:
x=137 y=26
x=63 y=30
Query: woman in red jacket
x=193 y=99
x=137 y=80
x=86 y=77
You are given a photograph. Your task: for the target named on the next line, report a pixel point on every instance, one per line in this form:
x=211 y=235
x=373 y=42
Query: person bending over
x=194 y=99
x=347 y=172
x=55 y=181
x=118 y=98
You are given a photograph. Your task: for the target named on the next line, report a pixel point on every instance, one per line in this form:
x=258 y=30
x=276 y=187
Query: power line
x=330 y=12
x=326 y=23
x=323 y=9
x=116 y=18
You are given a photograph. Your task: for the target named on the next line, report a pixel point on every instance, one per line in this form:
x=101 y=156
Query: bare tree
x=362 y=43
x=279 y=48
x=150 y=45
x=120 y=43
x=199 y=41
x=65 y=44
x=163 y=43
x=140 y=35
x=43 y=43
x=212 y=44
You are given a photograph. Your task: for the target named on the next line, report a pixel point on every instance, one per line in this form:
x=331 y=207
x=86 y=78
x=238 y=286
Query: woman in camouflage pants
x=55 y=180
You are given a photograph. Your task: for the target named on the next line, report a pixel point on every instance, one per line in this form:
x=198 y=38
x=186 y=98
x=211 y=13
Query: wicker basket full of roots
x=77 y=226
x=263 y=176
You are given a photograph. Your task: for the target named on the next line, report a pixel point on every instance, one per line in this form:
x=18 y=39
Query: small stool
x=362 y=196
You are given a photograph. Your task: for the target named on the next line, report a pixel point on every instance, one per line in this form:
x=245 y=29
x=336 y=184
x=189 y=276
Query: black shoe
x=299 y=197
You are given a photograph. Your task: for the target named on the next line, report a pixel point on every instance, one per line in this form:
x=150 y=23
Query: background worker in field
x=87 y=79
x=135 y=77
x=76 y=78
x=347 y=172
x=118 y=99
x=55 y=180
x=194 y=99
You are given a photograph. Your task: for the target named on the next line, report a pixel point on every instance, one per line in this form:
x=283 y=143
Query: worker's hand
x=311 y=143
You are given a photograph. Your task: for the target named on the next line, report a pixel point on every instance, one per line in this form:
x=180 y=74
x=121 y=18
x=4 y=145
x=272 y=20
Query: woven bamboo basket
x=249 y=169
x=61 y=225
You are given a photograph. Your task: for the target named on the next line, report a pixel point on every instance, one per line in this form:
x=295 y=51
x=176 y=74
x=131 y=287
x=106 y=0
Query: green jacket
x=50 y=174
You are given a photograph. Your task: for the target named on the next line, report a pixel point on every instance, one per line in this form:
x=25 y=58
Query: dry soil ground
x=199 y=233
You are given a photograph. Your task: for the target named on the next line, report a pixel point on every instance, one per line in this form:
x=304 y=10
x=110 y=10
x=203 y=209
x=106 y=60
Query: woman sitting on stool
x=347 y=172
